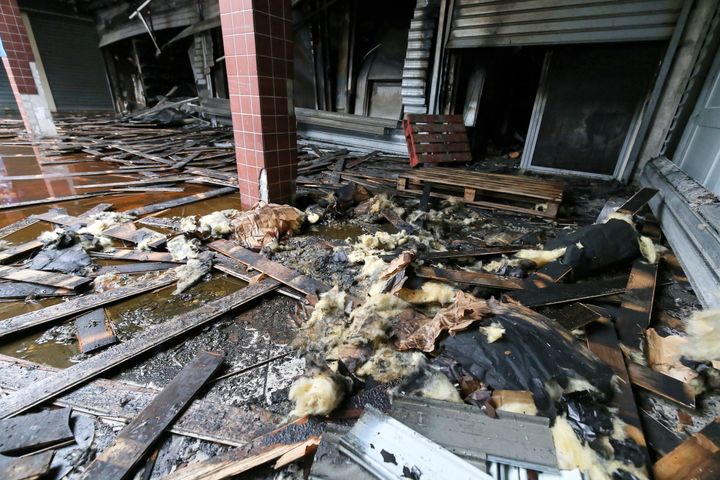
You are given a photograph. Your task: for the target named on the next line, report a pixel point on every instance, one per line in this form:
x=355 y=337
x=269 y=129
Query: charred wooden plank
x=62 y=219
x=662 y=385
x=19 y=290
x=135 y=256
x=567 y=292
x=121 y=401
x=697 y=458
x=637 y=201
x=398 y=222
x=135 y=440
x=603 y=341
x=12 y=253
x=149 y=181
x=29 y=203
x=291 y=278
x=139 y=267
x=17 y=226
x=577 y=315
x=156 y=207
x=25 y=468
x=478 y=252
x=52 y=279
x=470 y=278
x=636 y=308
x=99 y=208
x=35 y=431
x=548 y=275
x=114 y=356
x=94 y=331
x=130 y=233
x=235 y=269
x=54 y=313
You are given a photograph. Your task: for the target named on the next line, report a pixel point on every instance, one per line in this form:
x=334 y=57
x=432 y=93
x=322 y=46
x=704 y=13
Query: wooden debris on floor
x=512 y=193
x=94 y=331
x=128 y=449
x=433 y=139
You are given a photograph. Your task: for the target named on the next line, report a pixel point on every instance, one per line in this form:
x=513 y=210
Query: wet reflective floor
x=62 y=177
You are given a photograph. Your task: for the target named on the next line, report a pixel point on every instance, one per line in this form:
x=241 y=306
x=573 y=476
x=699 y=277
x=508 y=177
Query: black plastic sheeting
x=527 y=357
x=604 y=245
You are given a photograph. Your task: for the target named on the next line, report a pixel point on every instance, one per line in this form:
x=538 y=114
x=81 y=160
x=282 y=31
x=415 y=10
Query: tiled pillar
x=22 y=73
x=257 y=35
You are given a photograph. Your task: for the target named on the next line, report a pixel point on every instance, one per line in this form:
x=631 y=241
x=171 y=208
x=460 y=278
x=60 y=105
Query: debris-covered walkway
x=523 y=323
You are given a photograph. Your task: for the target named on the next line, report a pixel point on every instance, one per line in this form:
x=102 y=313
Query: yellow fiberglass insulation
x=430 y=292
x=439 y=387
x=103 y=221
x=182 y=248
x=217 y=224
x=331 y=327
x=647 y=249
x=703 y=329
x=493 y=332
x=317 y=395
x=541 y=257
x=572 y=453
x=382 y=202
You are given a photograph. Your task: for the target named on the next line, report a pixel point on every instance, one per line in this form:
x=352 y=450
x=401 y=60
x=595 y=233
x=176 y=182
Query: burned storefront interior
x=359 y=239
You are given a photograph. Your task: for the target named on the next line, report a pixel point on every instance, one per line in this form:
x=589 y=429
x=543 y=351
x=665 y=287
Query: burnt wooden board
x=54 y=313
x=137 y=267
x=156 y=207
x=602 y=341
x=9 y=290
x=696 y=458
x=291 y=278
x=570 y=292
x=62 y=219
x=637 y=201
x=25 y=468
x=99 y=208
x=636 y=308
x=116 y=355
x=235 y=269
x=478 y=252
x=663 y=385
x=149 y=181
x=121 y=401
x=130 y=233
x=17 y=226
x=35 y=431
x=94 y=331
x=12 y=253
x=548 y=275
x=52 y=279
x=470 y=278
x=44 y=201
x=577 y=315
x=135 y=440
x=135 y=256
x=392 y=217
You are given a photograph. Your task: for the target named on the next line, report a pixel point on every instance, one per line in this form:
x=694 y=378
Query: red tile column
x=257 y=35
x=19 y=63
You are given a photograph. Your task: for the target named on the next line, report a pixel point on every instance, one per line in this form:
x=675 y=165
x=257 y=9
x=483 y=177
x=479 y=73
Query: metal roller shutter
x=72 y=61
x=495 y=23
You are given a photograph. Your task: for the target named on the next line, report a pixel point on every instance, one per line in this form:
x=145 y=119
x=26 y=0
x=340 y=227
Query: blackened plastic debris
x=603 y=245
x=526 y=358
x=628 y=452
x=621 y=474
x=590 y=419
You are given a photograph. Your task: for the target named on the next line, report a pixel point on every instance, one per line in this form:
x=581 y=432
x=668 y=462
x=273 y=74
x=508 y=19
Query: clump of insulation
x=104 y=220
x=493 y=332
x=427 y=382
x=192 y=272
x=703 y=329
x=183 y=248
x=382 y=202
x=430 y=292
x=574 y=453
x=4 y=244
x=217 y=224
x=189 y=224
x=316 y=395
x=332 y=329
x=107 y=281
x=541 y=257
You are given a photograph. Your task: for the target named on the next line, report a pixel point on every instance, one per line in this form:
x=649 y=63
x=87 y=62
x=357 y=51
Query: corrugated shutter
x=493 y=23
x=73 y=64
x=7 y=99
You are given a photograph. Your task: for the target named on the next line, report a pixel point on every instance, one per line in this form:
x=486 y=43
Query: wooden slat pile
x=436 y=139
x=513 y=193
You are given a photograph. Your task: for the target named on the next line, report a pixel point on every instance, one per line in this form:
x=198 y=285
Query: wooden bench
x=436 y=139
x=513 y=193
